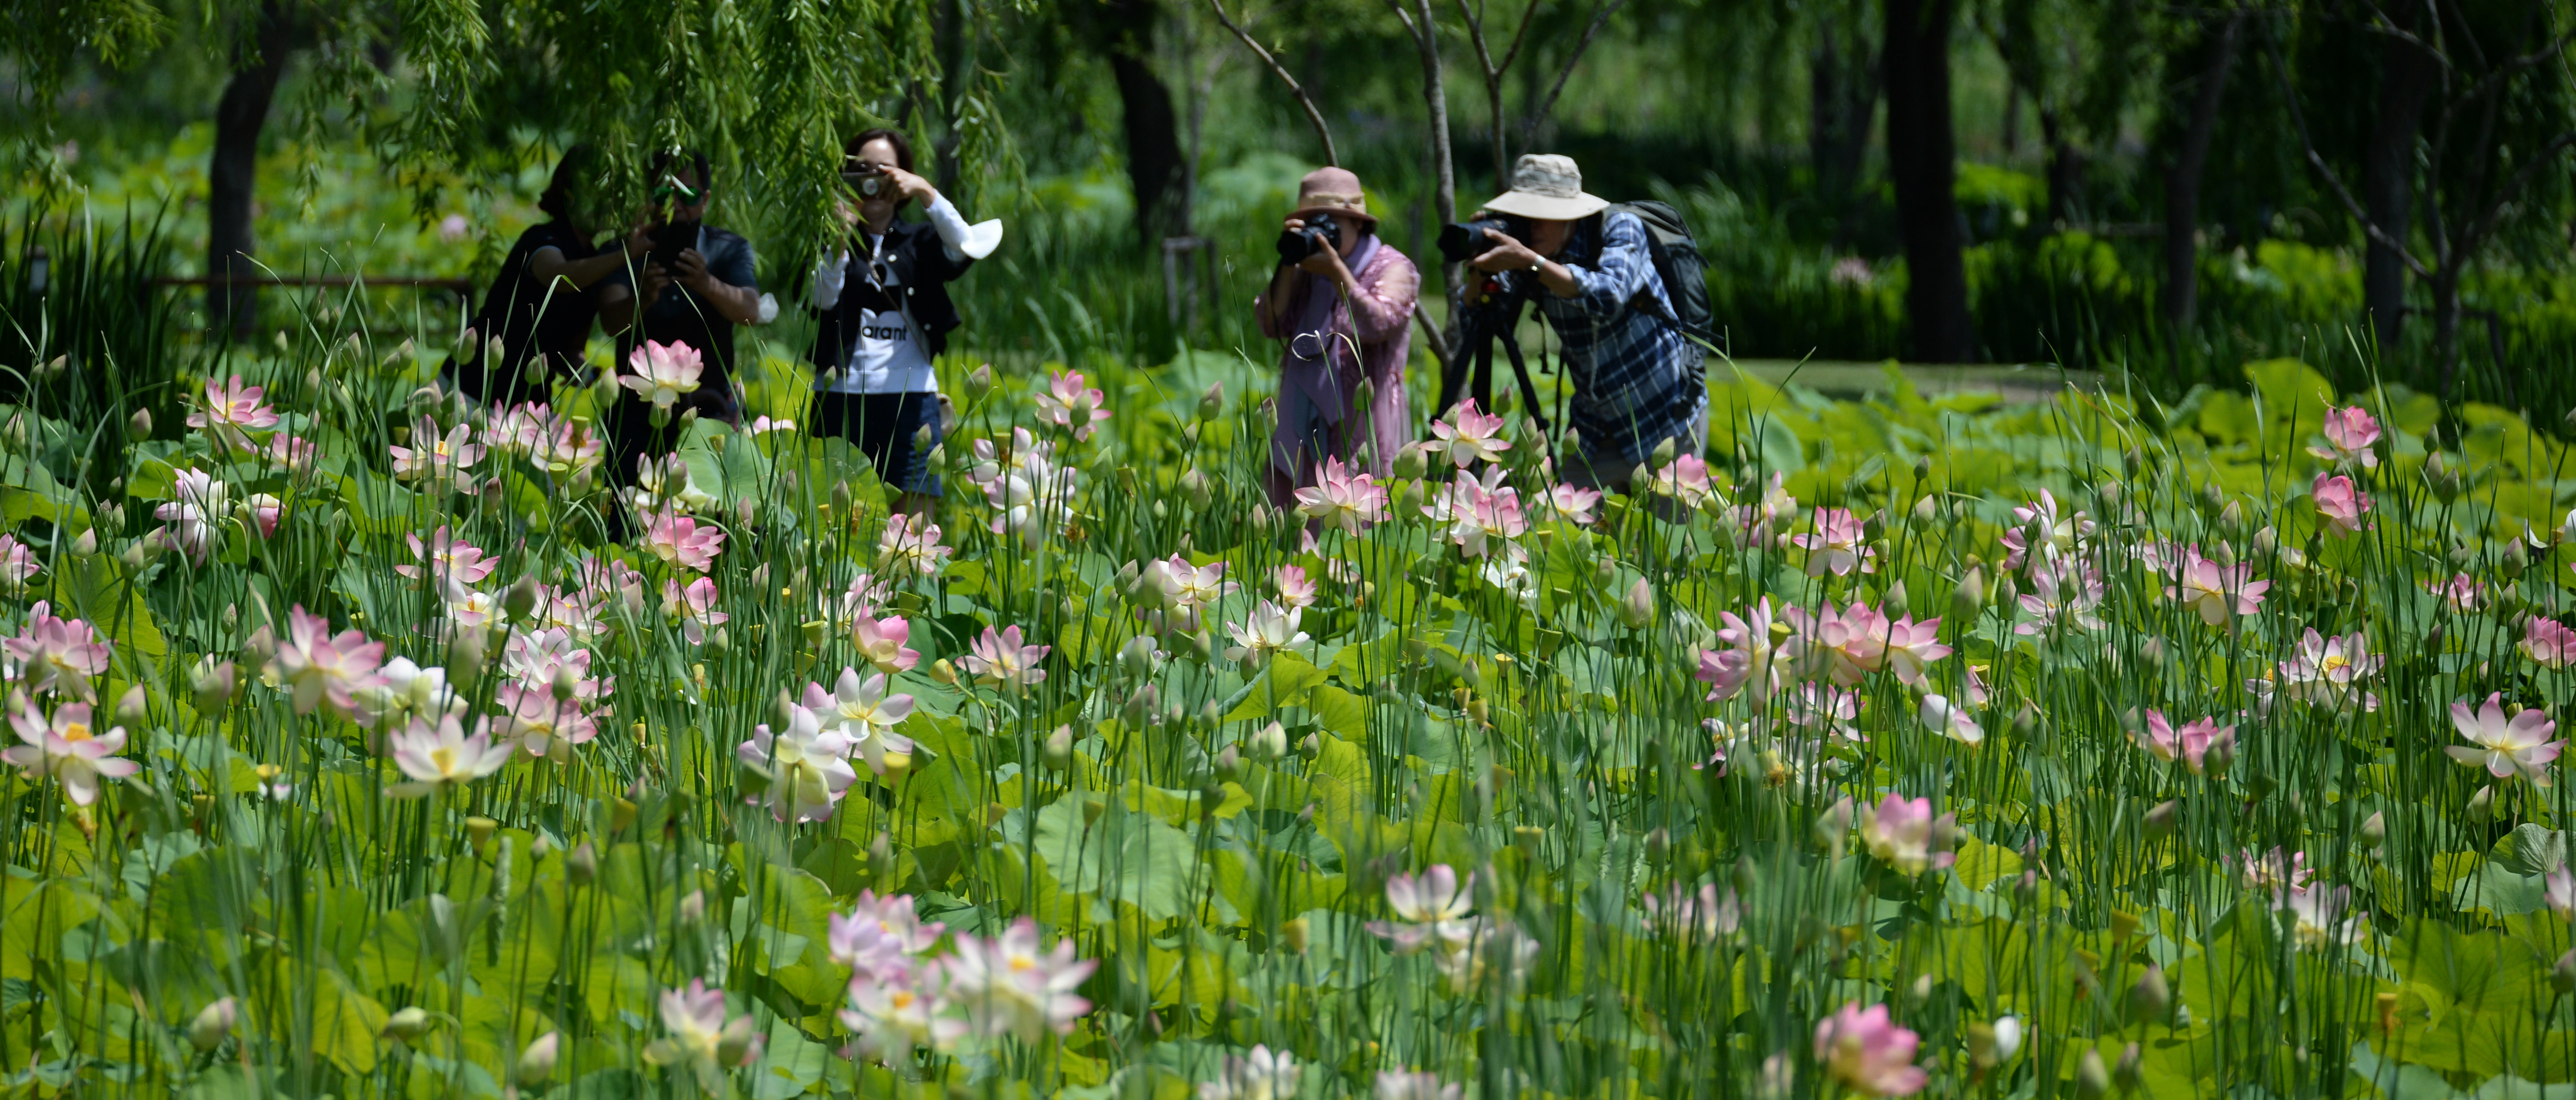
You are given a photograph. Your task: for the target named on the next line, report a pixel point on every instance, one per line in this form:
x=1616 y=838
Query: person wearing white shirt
x=881 y=300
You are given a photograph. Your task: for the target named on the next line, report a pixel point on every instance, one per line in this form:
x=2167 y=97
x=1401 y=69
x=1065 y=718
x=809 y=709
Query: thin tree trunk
x=2065 y=168
x=2182 y=177
x=2445 y=288
x=1921 y=155
x=2388 y=178
x=1153 y=129
x=232 y=175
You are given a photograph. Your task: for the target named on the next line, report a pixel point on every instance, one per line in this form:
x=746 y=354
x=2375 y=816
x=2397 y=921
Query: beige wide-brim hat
x=1547 y=187
x=1332 y=191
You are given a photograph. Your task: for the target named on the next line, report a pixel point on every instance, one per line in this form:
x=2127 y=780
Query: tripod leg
x=1529 y=389
x=1484 y=382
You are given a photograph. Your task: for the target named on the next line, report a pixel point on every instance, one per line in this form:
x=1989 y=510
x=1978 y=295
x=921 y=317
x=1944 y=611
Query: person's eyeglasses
x=672 y=187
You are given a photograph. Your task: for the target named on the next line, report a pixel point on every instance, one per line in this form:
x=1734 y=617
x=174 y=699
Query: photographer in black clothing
x=552 y=285
x=698 y=285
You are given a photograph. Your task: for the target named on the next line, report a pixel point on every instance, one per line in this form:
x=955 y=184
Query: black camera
x=870 y=183
x=669 y=238
x=1464 y=241
x=1321 y=232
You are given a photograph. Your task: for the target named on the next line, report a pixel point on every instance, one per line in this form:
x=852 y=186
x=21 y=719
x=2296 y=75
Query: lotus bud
x=2128 y=1074
x=881 y=851
x=538 y=1061
x=581 y=864
x=1663 y=455
x=1059 y=748
x=493 y=352
x=2151 y=996
x=1926 y=510
x=133 y=708
x=1659 y=844
x=1969 y=599
x=408 y=1023
x=2007 y=591
x=1875 y=527
x=465 y=657
x=693 y=907
x=479 y=830
x=739 y=1043
x=841 y=497
x=1409 y=502
x=139 y=425
x=943 y=672
x=2514 y=560
x=1410 y=464
x=1229 y=764
x=1212 y=402
x=1210 y=714
x=979 y=383
x=2482 y=806
x=1310 y=747
x=1203 y=644
x=1641 y=476
x=213 y=1023
x=566 y=684
x=87 y=543
x=2562 y=977
x=1833 y=825
x=1270 y=742
x=2374 y=831
x=2161 y=819
x=1893 y=603
x=1195 y=486
x=1292 y=935
x=2092 y=1078
x=213 y=685
x=1140 y=706
x=1637 y=608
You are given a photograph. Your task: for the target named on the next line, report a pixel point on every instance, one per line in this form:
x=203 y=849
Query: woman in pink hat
x=1341 y=303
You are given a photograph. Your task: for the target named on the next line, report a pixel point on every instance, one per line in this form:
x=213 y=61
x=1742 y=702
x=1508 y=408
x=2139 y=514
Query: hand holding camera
x=875 y=183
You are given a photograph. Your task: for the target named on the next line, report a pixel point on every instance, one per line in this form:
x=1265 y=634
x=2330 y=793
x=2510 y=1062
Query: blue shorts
x=883 y=426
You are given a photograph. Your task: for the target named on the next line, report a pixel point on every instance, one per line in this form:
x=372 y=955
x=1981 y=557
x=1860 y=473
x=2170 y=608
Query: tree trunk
x=2388 y=178
x=1122 y=33
x=232 y=175
x=2065 y=168
x=1435 y=96
x=2447 y=315
x=1921 y=160
x=2182 y=177
x=1842 y=90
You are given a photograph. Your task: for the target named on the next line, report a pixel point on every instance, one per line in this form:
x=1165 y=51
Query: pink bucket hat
x=1332 y=191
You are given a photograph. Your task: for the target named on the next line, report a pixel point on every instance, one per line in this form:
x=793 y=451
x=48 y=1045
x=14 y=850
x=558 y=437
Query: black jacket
x=919 y=272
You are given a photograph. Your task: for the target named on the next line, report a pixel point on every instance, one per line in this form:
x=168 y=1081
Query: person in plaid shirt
x=1637 y=378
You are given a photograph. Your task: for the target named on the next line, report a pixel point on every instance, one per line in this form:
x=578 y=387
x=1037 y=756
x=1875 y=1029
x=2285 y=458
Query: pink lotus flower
x=2204 y=746
x=323 y=669
x=1837 y=545
x=763 y=425
x=2061 y=595
x=445 y=557
x=442 y=755
x=2319 y=916
x=997 y=659
x=911 y=543
x=803 y=767
x=1903 y=834
x=1747 y=660
x=1685 y=480
x=883 y=642
x=2506 y=747
x=891 y=1017
x=2462 y=593
x=865 y=717
x=1471 y=436
x=2349 y=433
x=2327 y=672
x=542 y=724
x=1066 y=403
x=678 y=540
x=265 y=510
x=1295 y=591
x=229 y=409
x=1478 y=512
x=880 y=937
x=2558 y=889
x=286 y=452
x=439 y=460
x=1756 y=521
x=1258 y=1074
x=2548 y=642
x=1571 y=504
x=2273 y=873
x=69 y=749
x=2043 y=524
x=1827 y=708
x=198 y=504
x=1842 y=646
x=663 y=373
x=1868 y=1053
x=694 y=606
x=1413 y=1085
x=1704 y=917
x=1342 y=497
x=1431 y=905
x=1186 y=589
x=1954 y=722
x=2216 y=593
x=1011 y=987
x=18 y=564
x=548 y=655
x=2338 y=503
x=53 y=654
x=1911 y=646
x=1268 y=630
x=699 y=1036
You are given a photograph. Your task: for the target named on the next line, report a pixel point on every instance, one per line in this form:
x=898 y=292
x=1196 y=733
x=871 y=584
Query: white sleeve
x=958 y=239
x=827 y=279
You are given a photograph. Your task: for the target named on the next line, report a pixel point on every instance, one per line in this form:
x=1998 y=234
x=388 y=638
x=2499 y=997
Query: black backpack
x=1678 y=264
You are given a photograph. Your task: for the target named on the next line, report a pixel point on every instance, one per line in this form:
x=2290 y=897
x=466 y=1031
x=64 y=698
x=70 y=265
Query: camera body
x=873 y=183
x=1323 y=231
x=669 y=237
x=1464 y=241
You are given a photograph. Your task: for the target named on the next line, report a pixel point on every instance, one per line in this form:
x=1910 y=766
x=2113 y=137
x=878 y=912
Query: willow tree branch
x=2334 y=180
x=1314 y=117
x=1601 y=13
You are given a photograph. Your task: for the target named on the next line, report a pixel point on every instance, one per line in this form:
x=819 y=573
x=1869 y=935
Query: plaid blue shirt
x=1637 y=382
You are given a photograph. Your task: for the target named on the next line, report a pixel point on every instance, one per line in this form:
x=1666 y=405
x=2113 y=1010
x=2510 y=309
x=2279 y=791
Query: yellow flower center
x=77 y=731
